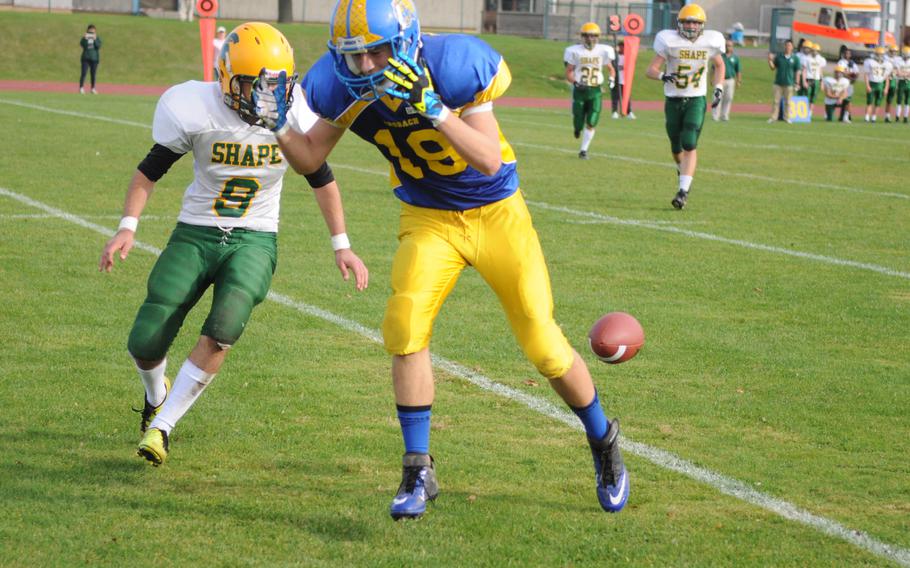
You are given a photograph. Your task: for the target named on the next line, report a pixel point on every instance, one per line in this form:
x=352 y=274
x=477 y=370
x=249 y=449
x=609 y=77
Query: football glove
x=612 y=82
x=413 y=85
x=718 y=94
x=271 y=105
x=668 y=77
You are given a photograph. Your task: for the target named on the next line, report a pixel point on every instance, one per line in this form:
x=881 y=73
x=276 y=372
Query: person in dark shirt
x=91 y=46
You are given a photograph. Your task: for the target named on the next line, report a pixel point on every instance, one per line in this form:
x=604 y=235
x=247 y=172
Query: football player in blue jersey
x=426 y=103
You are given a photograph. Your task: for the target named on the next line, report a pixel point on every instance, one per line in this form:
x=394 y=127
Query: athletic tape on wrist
x=340 y=241
x=129 y=223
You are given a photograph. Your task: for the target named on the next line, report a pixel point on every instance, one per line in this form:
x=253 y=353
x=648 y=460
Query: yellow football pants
x=501 y=243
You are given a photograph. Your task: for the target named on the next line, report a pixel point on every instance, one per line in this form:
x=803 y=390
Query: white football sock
x=586 y=136
x=684 y=183
x=189 y=384
x=153 y=380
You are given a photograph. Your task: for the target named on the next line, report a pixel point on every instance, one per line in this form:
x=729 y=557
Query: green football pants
x=238 y=265
x=586 y=105
x=685 y=117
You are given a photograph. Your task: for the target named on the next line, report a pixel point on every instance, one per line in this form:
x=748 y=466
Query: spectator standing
x=616 y=91
x=733 y=78
x=786 y=67
x=91 y=46
x=836 y=89
x=216 y=46
x=185 y=9
x=877 y=70
x=851 y=72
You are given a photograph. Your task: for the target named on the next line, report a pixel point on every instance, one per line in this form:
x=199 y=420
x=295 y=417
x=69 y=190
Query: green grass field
x=766 y=420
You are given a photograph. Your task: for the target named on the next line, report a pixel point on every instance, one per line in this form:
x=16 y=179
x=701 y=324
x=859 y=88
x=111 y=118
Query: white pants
x=185 y=8
x=723 y=109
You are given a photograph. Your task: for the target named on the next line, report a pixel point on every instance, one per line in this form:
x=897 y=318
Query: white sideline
x=661 y=458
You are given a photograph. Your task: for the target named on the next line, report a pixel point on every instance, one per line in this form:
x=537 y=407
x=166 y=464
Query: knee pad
x=231 y=310
x=547 y=348
x=689 y=139
x=402 y=333
x=154 y=330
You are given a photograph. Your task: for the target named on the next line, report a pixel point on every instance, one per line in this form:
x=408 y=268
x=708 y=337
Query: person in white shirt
x=616 y=91
x=835 y=90
x=226 y=234
x=903 y=84
x=851 y=72
x=681 y=63
x=895 y=59
x=217 y=43
x=585 y=63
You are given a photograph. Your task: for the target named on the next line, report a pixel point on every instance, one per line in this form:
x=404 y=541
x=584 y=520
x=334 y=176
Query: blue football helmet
x=360 y=25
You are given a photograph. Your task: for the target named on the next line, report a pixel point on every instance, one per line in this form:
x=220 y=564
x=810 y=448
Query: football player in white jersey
x=902 y=70
x=851 y=72
x=681 y=62
x=894 y=58
x=878 y=72
x=836 y=90
x=584 y=71
x=226 y=231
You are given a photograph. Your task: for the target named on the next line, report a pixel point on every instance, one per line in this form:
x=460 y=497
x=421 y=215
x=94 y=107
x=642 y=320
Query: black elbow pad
x=322 y=176
x=158 y=161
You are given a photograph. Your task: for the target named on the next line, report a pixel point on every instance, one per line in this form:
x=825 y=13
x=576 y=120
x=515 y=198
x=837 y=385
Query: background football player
x=877 y=74
x=903 y=84
x=226 y=231
x=585 y=63
x=894 y=58
x=835 y=90
x=851 y=72
x=426 y=103
x=681 y=62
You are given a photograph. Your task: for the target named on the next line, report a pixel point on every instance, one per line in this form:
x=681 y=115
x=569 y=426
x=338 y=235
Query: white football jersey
x=903 y=69
x=689 y=60
x=815 y=64
x=238 y=168
x=589 y=63
x=836 y=86
x=875 y=71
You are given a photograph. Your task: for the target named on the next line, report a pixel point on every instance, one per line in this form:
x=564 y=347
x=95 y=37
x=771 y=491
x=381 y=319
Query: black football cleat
x=680 y=200
x=583 y=155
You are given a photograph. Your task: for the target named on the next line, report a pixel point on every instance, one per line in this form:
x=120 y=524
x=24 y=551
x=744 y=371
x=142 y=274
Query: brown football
x=616 y=337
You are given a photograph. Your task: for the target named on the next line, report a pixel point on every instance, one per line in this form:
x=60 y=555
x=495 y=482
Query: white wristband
x=444 y=114
x=340 y=241
x=129 y=223
x=283 y=130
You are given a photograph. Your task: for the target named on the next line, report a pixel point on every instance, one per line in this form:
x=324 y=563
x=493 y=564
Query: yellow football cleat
x=153 y=446
x=149 y=412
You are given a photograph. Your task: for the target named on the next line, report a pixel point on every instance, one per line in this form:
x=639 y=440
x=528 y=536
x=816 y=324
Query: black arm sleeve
x=320 y=177
x=158 y=161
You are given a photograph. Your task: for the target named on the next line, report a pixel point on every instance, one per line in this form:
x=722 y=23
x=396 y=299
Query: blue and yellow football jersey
x=426 y=169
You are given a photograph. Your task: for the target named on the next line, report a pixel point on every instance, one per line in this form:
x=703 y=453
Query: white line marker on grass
x=661 y=458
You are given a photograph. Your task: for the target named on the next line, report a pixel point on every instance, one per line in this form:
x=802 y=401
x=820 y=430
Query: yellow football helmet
x=905 y=51
x=694 y=16
x=879 y=53
x=840 y=69
x=590 y=32
x=249 y=49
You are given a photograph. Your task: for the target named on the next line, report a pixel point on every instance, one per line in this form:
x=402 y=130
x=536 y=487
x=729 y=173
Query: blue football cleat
x=612 y=477
x=418 y=485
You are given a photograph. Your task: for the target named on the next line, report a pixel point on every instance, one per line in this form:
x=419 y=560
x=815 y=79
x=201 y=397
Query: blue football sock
x=415 y=428
x=593 y=418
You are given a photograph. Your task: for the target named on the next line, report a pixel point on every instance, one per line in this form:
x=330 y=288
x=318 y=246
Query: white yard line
x=661 y=458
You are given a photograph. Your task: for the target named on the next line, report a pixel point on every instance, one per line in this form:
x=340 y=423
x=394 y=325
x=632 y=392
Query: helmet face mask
x=248 y=49
x=363 y=26
x=590 y=34
x=690 y=23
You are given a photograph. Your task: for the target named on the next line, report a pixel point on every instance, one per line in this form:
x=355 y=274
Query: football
x=616 y=337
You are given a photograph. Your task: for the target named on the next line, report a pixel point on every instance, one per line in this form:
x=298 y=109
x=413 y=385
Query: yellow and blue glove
x=271 y=104
x=413 y=85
